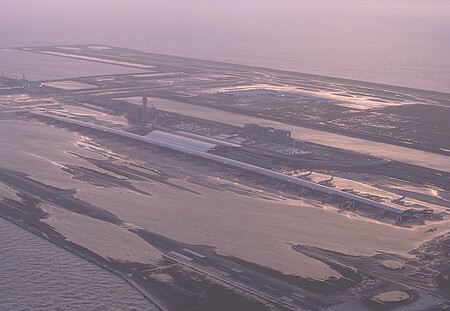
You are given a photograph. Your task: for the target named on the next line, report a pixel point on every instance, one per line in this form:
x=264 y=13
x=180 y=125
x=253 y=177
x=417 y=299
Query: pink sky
x=407 y=33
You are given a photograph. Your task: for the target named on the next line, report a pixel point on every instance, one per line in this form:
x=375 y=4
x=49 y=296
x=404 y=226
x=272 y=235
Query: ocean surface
x=402 y=42
x=38 y=275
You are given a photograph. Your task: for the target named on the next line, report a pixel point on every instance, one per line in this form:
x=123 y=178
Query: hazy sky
x=324 y=18
x=272 y=32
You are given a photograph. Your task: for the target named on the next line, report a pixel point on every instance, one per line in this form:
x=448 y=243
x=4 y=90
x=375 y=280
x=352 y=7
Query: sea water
x=38 y=275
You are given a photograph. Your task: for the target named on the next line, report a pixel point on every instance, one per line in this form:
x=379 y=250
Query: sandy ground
x=238 y=221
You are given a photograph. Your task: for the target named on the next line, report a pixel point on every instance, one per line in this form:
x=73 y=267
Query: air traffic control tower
x=144 y=109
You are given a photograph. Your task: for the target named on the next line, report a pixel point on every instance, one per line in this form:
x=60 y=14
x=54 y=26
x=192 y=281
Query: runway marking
x=181 y=256
x=298 y=296
x=269 y=287
x=223 y=273
x=193 y=253
x=286 y=299
x=244 y=277
x=202 y=260
x=222 y=268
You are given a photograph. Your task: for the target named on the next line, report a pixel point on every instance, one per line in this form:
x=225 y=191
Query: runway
x=203 y=258
x=386 y=206
x=206 y=260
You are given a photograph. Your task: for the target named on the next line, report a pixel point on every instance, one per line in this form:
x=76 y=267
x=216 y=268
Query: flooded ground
x=69 y=85
x=37 y=275
x=402 y=154
x=246 y=222
x=120 y=199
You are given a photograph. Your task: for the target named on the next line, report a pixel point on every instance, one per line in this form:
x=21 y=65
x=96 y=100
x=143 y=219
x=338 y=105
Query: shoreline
x=309 y=75
x=417 y=94
x=168 y=282
x=87 y=255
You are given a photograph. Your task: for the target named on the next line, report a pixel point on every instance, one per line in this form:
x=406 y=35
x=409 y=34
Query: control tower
x=144 y=108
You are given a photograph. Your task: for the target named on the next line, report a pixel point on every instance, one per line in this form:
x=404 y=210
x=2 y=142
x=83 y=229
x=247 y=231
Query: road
x=409 y=276
x=205 y=259
x=202 y=257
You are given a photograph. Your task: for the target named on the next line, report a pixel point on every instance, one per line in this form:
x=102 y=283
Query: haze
x=397 y=42
x=225 y=155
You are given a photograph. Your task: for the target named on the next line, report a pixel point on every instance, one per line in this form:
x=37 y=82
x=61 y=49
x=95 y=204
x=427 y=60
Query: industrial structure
x=141 y=115
x=144 y=109
x=266 y=133
x=394 y=209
